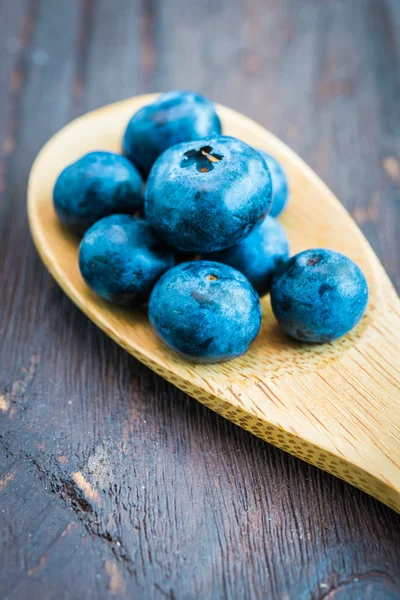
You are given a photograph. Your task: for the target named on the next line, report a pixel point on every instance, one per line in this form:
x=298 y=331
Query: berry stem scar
x=210 y=156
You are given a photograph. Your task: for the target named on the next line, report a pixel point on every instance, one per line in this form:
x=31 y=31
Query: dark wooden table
x=112 y=482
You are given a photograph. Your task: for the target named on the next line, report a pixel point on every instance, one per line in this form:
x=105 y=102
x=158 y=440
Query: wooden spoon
x=334 y=405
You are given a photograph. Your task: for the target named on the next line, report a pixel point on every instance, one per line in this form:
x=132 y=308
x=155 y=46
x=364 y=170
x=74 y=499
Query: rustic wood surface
x=112 y=482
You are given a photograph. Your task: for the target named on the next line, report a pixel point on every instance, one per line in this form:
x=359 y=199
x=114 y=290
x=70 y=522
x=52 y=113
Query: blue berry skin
x=121 y=259
x=280 y=187
x=95 y=186
x=172 y=118
x=259 y=255
x=207 y=195
x=206 y=311
x=318 y=295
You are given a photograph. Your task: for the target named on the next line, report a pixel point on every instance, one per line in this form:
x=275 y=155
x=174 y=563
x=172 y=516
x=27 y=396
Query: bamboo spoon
x=335 y=405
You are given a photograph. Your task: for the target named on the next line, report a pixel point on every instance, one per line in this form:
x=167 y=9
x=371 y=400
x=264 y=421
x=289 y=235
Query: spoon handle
x=343 y=418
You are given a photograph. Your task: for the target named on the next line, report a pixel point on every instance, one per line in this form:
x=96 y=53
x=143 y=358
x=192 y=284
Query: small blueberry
x=318 y=295
x=258 y=255
x=280 y=187
x=95 y=186
x=206 y=311
x=207 y=195
x=174 y=117
x=121 y=259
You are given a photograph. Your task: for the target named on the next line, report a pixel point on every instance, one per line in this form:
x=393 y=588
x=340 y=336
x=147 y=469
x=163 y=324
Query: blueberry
x=207 y=195
x=318 y=295
x=121 y=259
x=280 y=188
x=95 y=186
x=258 y=255
x=206 y=311
x=172 y=118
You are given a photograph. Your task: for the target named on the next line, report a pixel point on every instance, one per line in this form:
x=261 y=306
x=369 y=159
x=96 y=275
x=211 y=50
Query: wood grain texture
x=190 y=505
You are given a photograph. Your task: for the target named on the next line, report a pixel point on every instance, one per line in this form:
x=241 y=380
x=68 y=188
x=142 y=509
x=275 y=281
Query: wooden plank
x=15 y=28
x=44 y=541
x=181 y=502
x=112 y=52
x=11 y=40
x=199 y=48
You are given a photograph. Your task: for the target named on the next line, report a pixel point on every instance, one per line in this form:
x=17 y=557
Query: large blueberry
x=280 y=187
x=258 y=255
x=95 y=186
x=121 y=259
x=172 y=118
x=207 y=311
x=207 y=195
x=318 y=295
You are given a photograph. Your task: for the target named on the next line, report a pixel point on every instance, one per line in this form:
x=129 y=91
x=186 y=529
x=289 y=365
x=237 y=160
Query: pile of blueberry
x=211 y=195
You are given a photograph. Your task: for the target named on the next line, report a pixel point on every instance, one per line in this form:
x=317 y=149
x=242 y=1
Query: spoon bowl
x=334 y=405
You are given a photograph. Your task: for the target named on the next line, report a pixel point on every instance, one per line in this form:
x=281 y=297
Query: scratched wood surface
x=112 y=482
